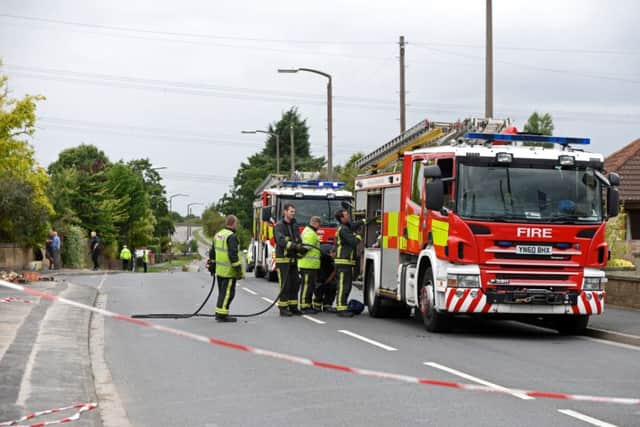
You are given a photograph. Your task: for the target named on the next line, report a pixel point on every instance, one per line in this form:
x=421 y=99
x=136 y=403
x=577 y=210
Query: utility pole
x=330 y=129
x=488 y=87
x=403 y=103
x=293 y=151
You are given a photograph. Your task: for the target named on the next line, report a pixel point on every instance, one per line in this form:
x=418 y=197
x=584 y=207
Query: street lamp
x=189 y=213
x=277 y=144
x=175 y=195
x=329 y=112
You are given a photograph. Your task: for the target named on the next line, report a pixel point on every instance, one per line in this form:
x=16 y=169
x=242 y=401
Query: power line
x=533 y=49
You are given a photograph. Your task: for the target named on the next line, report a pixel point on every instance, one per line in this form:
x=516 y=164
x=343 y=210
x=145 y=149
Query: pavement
x=164 y=380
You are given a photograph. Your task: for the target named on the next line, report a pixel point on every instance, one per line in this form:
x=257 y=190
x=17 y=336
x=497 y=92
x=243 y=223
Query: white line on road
x=270 y=301
x=609 y=331
x=252 y=292
x=313 y=319
x=477 y=380
x=104 y=277
x=585 y=418
x=612 y=343
x=367 y=340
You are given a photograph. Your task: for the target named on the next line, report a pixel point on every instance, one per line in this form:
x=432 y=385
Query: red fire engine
x=311 y=198
x=479 y=220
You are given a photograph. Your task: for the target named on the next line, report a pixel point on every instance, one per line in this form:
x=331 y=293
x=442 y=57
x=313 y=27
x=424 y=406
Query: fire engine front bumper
x=477 y=301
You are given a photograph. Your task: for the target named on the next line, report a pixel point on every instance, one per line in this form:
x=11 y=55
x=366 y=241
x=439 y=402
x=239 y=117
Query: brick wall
x=623 y=291
x=13 y=257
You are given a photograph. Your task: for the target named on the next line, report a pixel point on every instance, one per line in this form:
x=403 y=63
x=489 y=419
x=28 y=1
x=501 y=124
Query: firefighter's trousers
x=308 y=286
x=226 y=292
x=323 y=295
x=345 y=278
x=288 y=291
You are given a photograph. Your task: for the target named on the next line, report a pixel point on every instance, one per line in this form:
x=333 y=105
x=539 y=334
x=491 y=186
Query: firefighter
x=309 y=264
x=326 y=285
x=288 y=247
x=346 y=243
x=228 y=267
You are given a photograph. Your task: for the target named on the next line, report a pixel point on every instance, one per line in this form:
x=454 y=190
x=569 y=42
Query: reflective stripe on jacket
x=311 y=259
x=226 y=249
x=125 y=254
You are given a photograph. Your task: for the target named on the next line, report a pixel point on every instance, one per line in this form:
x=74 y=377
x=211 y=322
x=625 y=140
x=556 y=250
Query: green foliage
x=24 y=205
x=154 y=188
x=616 y=236
x=212 y=221
x=193 y=245
x=251 y=173
x=349 y=171
x=75 y=248
x=539 y=124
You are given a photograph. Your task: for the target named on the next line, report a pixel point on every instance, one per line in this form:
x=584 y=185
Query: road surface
x=164 y=380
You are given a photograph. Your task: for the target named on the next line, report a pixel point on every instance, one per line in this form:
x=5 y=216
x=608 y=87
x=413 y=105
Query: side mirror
x=266 y=214
x=432 y=171
x=614 y=179
x=435 y=194
x=346 y=205
x=613 y=202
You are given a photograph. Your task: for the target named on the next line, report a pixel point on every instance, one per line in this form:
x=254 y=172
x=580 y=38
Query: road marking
x=250 y=291
x=270 y=301
x=622 y=334
x=585 y=418
x=477 y=380
x=104 y=277
x=367 y=340
x=612 y=343
x=313 y=319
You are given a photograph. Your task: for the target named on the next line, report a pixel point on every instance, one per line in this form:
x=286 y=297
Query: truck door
x=437 y=222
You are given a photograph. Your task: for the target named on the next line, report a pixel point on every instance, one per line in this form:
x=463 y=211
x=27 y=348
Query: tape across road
x=324 y=365
x=7 y=300
x=81 y=407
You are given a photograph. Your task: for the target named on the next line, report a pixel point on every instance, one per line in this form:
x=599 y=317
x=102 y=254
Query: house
x=626 y=162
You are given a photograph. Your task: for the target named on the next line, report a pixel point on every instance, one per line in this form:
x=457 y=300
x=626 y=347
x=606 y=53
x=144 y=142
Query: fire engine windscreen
x=324 y=208
x=531 y=194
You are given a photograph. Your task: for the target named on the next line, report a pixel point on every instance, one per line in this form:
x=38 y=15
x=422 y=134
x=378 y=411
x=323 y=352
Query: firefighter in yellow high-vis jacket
x=228 y=267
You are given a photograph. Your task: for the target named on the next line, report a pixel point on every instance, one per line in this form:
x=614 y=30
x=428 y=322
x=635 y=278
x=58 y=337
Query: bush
x=194 y=245
x=616 y=236
x=75 y=249
x=619 y=263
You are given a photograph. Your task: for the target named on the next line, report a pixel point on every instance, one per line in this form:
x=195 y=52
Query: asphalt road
x=165 y=380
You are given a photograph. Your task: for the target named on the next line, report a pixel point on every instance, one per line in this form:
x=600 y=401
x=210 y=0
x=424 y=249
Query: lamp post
x=171 y=199
x=329 y=112
x=277 y=144
x=189 y=213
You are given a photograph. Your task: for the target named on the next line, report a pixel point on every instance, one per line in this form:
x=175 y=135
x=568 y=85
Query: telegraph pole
x=403 y=104
x=488 y=103
x=293 y=151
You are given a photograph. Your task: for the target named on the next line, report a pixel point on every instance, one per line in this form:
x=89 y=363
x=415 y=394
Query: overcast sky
x=178 y=81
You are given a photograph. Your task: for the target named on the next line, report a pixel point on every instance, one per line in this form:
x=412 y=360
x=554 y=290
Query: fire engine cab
x=310 y=197
x=472 y=218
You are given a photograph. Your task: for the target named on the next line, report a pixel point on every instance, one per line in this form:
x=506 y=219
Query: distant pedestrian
x=56 y=245
x=125 y=256
x=95 y=249
x=228 y=267
x=48 y=250
x=145 y=259
x=309 y=264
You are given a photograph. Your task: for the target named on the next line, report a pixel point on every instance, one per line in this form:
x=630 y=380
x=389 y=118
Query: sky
x=176 y=82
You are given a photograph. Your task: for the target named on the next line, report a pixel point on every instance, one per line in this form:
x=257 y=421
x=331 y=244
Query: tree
x=258 y=166
x=25 y=207
x=349 y=171
x=212 y=221
x=539 y=124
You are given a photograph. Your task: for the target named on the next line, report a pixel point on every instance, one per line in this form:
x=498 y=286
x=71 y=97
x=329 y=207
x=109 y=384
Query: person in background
x=228 y=267
x=56 y=245
x=95 y=249
x=346 y=244
x=145 y=259
x=125 y=256
x=48 y=251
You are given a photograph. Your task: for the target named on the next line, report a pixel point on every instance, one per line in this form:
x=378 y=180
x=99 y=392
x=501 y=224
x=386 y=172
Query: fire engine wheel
x=373 y=301
x=433 y=320
x=572 y=324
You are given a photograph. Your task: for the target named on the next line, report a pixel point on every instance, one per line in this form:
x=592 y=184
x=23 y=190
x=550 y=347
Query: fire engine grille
x=529 y=276
x=508 y=255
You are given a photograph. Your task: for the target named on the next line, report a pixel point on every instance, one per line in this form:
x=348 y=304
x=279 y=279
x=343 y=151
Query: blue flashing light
x=562 y=140
x=314 y=184
x=563 y=245
x=504 y=243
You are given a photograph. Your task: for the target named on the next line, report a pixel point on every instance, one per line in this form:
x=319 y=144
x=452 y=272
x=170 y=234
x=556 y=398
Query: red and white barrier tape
x=81 y=407
x=7 y=300
x=325 y=365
